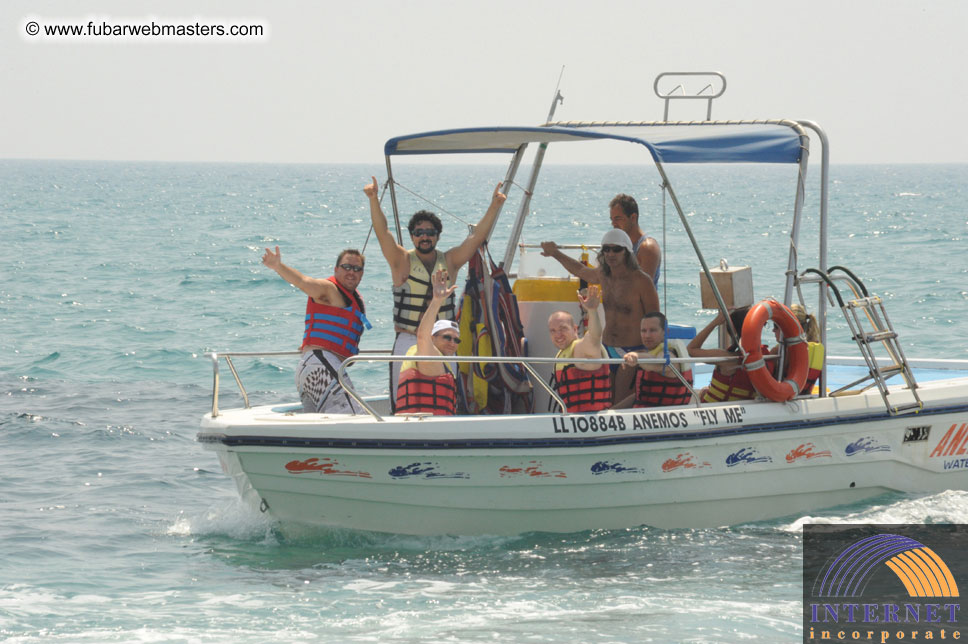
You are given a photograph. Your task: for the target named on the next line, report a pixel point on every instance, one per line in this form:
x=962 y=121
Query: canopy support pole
x=393 y=201
x=822 y=299
x=667 y=186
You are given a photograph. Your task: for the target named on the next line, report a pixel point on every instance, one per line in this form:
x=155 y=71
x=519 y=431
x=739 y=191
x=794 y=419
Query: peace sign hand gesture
x=439 y=282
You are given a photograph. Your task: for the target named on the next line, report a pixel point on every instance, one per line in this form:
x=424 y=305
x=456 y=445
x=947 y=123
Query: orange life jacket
x=581 y=390
x=723 y=387
x=652 y=389
x=420 y=394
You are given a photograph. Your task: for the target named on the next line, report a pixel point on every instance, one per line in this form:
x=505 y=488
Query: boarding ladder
x=871 y=328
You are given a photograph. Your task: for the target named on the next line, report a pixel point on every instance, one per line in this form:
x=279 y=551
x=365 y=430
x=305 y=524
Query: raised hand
x=372 y=189
x=272 y=260
x=592 y=300
x=439 y=283
x=498 y=196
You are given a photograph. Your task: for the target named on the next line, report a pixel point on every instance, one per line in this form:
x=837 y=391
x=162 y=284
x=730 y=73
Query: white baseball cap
x=445 y=325
x=617 y=237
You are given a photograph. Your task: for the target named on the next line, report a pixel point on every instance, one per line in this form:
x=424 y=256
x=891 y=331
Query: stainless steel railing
x=379 y=356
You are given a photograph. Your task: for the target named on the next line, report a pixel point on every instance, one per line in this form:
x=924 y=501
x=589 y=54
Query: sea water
x=117 y=278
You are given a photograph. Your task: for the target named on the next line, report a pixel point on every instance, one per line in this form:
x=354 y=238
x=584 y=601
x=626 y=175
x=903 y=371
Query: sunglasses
x=450 y=338
x=351 y=267
x=608 y=248
x=424 y=232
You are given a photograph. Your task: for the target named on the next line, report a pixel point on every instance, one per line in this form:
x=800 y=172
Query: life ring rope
x=793 y=338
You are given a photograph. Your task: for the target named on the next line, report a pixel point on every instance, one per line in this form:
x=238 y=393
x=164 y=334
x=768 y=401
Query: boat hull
x=670 y=468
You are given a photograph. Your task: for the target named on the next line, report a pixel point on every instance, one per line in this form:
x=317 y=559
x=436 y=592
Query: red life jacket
x=335 y=328
x=723 y=387
x=582 y=390
x=420 y=394
x=735 y=387
x=652 y=389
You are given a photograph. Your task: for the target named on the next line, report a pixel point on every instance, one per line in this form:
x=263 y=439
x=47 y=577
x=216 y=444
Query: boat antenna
x=528 y=190
x=558 y=99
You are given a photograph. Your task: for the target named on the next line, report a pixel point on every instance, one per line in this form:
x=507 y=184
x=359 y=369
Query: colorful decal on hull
x=532 y=469
x=684 y=461
x=953 y=443
x=747 y=455
x=427 y=470
x=866 y=445
x=325 y=466
x=806 y=451
x=604 y=467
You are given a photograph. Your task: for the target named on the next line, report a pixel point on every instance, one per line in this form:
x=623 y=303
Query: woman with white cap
x=430 y=387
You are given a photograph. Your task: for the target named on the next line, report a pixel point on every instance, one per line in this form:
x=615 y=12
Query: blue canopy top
x=695 y=142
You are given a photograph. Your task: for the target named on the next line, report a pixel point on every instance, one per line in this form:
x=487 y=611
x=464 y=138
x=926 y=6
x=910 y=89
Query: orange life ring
x=797 y=353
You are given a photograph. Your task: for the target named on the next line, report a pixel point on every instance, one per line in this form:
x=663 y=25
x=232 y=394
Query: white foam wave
x=232 y=519
x=950 y=506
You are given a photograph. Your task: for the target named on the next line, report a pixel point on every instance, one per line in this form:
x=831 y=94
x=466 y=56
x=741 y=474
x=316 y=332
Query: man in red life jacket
x=411 y=269
x=335 y=320
x=430 y=387
x=656 y=384
x=583 y=386
x=627 y=295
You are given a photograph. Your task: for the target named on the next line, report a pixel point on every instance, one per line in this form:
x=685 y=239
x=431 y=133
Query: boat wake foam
x=950 y=506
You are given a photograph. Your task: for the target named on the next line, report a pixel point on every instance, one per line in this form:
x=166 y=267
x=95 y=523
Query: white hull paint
x=673 y=467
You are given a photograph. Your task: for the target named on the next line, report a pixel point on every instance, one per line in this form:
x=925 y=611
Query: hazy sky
x=333 y=80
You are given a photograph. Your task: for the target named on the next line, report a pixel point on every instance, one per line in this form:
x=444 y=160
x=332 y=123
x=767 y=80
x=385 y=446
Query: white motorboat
x=893 y=427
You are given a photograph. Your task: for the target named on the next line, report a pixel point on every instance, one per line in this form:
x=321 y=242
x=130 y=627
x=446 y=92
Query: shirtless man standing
x=624 y=213
x=628 y=294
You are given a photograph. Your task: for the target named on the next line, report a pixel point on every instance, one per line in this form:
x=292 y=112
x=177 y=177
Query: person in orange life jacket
x=815 y=349
x=430 y=387
x=335 y=320
x=411 y=269
x=656 y=384
x=627 y=295
x=729 y=381
x=583 y=386
x=624 y=214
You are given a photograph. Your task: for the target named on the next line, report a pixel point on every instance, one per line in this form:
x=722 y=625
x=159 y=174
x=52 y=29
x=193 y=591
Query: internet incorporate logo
x=881 y=584
x=922 y=572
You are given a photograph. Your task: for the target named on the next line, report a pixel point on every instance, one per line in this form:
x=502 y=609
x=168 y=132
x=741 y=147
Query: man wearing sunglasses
x=430 y=387
x=411 y=269
x=627 y=295
x=335 y=320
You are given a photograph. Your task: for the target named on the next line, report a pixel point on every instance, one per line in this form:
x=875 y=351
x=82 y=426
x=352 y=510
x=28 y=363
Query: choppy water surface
x=117 y=526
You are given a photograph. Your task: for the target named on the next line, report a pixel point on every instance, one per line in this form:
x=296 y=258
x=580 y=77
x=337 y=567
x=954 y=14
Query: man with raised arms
x=335 y=319
x=411 y=269
x=582 y=386
x=624 y=213
x=628 y=294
